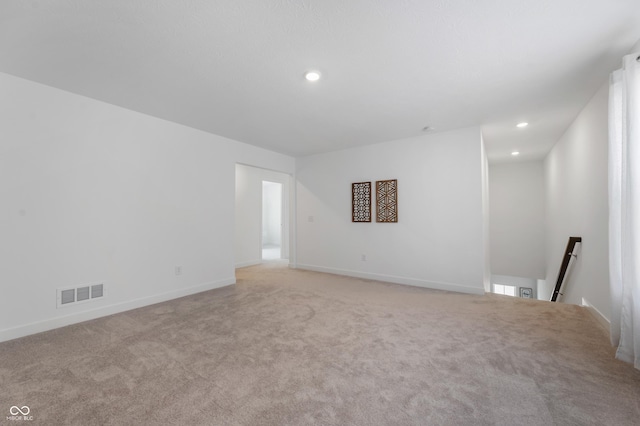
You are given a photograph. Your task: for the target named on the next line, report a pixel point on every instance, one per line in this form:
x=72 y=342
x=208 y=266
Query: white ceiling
x=390 y=67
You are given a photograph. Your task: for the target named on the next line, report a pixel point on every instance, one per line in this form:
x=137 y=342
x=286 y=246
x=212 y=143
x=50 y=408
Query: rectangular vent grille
x=75 y=295
x=97 y=290
x=68 y=296
x=82 y=293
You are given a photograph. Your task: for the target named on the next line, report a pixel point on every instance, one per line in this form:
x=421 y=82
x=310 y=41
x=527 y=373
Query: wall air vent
x=71 y=296
x=97 y=290
x=82 y=293
x=67 y=296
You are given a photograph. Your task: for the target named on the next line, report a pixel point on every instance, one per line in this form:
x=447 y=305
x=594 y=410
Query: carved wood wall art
x=387 y=201
x=361 y=202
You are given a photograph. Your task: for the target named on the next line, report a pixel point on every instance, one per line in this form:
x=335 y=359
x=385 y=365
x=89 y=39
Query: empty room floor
x=292 y=347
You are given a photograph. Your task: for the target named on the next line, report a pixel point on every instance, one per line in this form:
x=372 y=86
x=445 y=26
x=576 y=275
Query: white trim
x=61 y=321
x=458 y=288
x=599 y=317
x=248 y=263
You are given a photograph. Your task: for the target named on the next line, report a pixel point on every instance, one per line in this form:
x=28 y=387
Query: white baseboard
x=601 y=319
x=248 y=263
x=434 y=285
x=61 y=321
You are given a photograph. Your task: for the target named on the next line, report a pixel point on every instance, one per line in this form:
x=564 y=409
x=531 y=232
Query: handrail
x=565 y=265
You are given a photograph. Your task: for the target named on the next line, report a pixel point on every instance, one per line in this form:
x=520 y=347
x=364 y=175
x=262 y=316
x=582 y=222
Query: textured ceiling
x=390 y=67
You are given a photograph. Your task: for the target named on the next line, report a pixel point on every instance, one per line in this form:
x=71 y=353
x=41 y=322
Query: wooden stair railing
x=565 y=265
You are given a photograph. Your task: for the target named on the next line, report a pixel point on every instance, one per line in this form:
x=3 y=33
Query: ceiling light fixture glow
x=515 y=153
x=521 y=125
x=312 y=75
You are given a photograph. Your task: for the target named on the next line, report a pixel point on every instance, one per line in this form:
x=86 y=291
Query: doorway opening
x=262 y=215
x=272 y=220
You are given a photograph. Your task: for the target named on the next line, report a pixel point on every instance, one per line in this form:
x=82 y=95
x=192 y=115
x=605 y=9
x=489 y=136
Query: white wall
x=248 y=202
x=518 y=219
x=576 y=189
x=438 y=241
x=93 y=192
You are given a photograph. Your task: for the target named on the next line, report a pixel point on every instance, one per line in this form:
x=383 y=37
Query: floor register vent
x=75 y=295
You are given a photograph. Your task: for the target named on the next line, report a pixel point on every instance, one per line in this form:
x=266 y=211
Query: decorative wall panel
x=387 y=201
x=361 y=202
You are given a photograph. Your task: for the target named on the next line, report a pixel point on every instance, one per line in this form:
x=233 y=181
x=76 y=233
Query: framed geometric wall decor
x=361 y=202
x=387 y=201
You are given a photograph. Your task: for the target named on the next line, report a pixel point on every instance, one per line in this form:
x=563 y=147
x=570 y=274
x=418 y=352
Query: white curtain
x=624 y=208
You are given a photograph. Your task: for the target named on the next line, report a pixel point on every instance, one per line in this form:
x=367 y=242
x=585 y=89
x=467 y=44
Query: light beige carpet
x=288 y=347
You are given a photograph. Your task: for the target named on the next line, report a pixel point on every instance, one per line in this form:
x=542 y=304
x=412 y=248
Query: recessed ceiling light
x=515 y=153
x=521 y=125
x=312 y=75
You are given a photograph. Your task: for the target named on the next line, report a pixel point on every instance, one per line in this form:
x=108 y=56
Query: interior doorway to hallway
x=272 y=220
x=262 y=215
